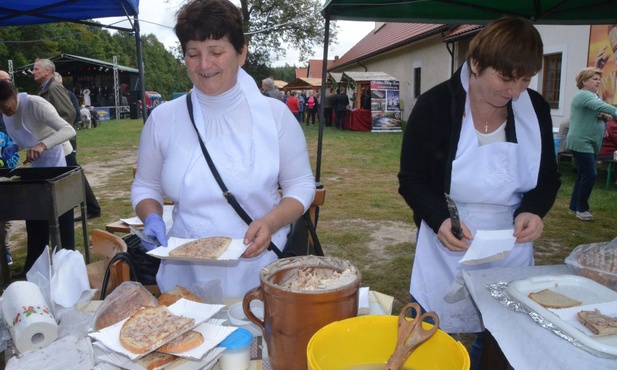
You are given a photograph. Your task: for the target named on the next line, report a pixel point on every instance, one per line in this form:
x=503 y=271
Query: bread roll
x=171 y=296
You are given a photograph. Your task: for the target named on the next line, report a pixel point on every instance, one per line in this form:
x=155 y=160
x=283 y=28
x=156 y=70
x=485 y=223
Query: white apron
x=247 y=171
x=487 y=184
x=19 y=133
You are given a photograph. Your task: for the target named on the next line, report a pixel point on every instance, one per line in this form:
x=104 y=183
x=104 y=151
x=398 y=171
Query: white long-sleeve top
x=256 y=145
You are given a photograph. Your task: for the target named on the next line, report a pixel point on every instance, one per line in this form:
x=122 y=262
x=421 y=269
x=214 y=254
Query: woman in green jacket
x=587 y=125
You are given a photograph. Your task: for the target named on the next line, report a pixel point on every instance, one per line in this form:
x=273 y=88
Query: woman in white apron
x=486 y=140
x=255 y=143
x=33 y=123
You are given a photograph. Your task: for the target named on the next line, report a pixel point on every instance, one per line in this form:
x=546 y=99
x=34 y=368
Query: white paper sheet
x=167 y=217
x=489 y=246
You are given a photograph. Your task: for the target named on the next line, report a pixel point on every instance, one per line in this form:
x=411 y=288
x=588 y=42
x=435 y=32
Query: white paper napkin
x=489 y=246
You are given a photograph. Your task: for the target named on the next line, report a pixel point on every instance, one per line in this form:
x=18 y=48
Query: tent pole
x=140 y=65
x=324 y=68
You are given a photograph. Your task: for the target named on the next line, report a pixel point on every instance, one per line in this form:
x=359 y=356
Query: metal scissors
x=411 y=334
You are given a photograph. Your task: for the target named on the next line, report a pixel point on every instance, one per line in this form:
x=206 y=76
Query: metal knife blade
x=457 y=230
x=144 y=237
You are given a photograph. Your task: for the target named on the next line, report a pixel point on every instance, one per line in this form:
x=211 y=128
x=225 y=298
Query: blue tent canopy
x=20 y=12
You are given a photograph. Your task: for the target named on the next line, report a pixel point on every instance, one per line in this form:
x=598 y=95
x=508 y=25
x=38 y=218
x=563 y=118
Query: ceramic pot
x=291 y=315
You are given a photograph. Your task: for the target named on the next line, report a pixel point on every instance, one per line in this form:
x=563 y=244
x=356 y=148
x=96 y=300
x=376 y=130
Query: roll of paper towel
x=27 y=316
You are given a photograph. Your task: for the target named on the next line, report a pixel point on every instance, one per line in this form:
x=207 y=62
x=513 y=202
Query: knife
x=8 y=174
x=144 y=237
x=457 y=230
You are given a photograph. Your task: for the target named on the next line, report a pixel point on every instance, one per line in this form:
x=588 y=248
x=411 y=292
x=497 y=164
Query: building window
x=551 y=79
x=417 y=78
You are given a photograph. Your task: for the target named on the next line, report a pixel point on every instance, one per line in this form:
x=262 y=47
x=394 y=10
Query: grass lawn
x=363 y=219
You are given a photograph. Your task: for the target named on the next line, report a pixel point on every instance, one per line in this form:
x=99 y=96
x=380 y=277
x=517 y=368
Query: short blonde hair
x=585 y=74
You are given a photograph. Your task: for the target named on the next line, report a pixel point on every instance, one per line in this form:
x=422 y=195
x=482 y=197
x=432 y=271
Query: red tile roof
x=301 y=72
x=314 y=68
x=463 y=31
x=387 y=37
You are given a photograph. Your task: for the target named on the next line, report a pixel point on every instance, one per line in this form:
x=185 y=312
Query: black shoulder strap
x=226 y=193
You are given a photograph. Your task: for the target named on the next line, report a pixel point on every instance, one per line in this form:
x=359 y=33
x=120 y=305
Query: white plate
x=232 y=253
x=590 y=293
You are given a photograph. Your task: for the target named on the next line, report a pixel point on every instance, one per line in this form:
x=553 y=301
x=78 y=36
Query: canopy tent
x=303 y=83
x=19 y=12
x=568 y=12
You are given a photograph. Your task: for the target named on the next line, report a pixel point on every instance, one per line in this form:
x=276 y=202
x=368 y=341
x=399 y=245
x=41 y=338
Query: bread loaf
x=551 y=299
x=597 y=322
x=128 y=298
x=155 y=360
x=206 y=248
x=171 y=296
x=186 y=341
x=149 y=328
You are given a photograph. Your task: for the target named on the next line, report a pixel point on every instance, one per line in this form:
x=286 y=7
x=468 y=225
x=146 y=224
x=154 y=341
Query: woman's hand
x=447 y=238
x=527 y=227
x=260 y=234
x=35 y=152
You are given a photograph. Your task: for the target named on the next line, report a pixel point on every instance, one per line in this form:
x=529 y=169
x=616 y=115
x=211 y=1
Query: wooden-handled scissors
x=411 y=334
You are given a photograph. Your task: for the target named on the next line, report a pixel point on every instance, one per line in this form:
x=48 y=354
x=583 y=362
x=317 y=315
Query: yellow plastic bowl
x=362 y=341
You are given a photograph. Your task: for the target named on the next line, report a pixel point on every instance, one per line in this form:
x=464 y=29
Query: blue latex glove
x=9 y=151
x=154 y=226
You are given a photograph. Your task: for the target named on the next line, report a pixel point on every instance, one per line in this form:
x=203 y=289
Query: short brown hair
x=510 y=45
x=585 y=74
x=202 y=20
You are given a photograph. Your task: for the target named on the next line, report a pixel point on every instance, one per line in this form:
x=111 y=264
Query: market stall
x=377 y=94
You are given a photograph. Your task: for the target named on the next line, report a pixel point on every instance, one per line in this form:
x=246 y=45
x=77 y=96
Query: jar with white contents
x=237 y=354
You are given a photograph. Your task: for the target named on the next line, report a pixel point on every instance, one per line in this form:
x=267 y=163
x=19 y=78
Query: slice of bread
x=171 y=296
x=150 y=328
x=598 y=323
x=155 y=360
x=550 y=299
x=123 y=302
x=186 y=341
x=206 y=248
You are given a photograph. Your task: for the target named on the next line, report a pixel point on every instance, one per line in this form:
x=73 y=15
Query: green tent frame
x=565 y=12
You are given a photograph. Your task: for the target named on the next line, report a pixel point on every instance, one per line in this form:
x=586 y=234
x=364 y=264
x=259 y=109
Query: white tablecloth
x=526 y=344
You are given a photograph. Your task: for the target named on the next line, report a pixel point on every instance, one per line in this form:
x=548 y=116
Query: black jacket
x=430 y=142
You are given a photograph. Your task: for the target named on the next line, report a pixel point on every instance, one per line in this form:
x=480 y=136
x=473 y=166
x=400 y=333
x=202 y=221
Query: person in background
x=294 y=105
x=327 y=107
x=609 y=143
x=268 y=88
x=35 y=125
x=86 y=118
x=341 y=101
x=311 y=108
x=587 y=127
x=254 y=142
x=6 y=162
x=302 y=100
x=93 y=116
x=43 y=68
x=365 y=98
x=485 y=139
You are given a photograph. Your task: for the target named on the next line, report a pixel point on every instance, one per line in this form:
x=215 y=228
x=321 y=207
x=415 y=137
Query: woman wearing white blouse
x=254 y=144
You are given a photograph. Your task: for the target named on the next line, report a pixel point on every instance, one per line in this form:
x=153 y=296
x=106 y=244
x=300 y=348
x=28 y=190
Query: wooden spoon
x=411 y=334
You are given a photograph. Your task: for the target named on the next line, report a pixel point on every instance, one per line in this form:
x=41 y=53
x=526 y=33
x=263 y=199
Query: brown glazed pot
x=291 y=317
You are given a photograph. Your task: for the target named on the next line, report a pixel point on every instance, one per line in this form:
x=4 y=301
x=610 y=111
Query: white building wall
x=573 y=43
x=430 y=55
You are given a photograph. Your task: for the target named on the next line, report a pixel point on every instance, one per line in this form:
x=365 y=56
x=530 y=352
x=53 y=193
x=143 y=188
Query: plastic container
x=237 y=354
x=366 y=342
x=596 y=261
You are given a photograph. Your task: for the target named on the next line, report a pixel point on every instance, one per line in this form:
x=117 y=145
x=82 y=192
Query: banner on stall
x=385 y=106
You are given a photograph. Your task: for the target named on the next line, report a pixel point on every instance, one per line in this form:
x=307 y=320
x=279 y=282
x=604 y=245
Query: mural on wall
x=385 y=106
x=602 y=50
